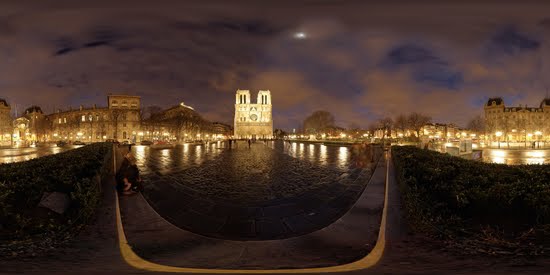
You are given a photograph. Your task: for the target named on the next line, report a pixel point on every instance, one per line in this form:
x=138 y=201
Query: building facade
x=253 y=120
x=6 y=123
x=179 y=123
x=517 y=124
x=120 y=120
x=222 y=129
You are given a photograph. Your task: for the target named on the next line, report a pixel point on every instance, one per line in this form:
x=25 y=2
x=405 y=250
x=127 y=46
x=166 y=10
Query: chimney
x=95 y=106
x=81 y=107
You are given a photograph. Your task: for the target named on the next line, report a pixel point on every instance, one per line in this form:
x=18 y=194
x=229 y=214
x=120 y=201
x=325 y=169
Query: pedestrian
x=119 y=176
x=249 y=141
x=132 y=180
x=230 y=141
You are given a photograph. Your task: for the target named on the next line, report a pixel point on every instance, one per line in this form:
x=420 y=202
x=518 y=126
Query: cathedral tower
x=253 y=120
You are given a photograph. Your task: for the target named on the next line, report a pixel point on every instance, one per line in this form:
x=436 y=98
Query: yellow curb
x=368 y=261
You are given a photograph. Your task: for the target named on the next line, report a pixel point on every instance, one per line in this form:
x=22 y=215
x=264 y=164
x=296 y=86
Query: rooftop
x=4 y=102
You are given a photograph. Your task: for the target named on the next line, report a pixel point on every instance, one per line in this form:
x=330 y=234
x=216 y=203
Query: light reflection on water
x=192 y=154
x=9 y=155
x=516 y=157
x=319 y=154
x=343 y=156
x=198 y=154
x=323 y=154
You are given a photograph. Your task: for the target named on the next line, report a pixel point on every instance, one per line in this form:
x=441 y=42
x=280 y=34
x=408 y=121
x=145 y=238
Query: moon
x=300 y=35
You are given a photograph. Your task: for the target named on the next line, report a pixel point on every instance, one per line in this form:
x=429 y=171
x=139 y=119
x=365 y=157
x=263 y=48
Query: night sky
x=358 y=60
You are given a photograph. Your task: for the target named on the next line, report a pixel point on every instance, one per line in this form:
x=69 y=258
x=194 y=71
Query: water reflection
x=343 y=156
x=311 y=152
x=516 y=157
x=323 y=154
x=316 y=153
x=198 y=155
x=182 y=157
x=9 y=155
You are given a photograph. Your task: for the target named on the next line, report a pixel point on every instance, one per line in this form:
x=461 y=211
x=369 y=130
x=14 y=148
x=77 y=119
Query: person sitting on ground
x=121 y=172
x=132 y=180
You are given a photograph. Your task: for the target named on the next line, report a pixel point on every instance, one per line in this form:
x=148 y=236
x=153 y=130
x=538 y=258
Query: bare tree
x=417 y=121
x=318 y=121
x=401 y=123
x=116 y=116
x=477 y=124
x=386 y=124
x=149 y=111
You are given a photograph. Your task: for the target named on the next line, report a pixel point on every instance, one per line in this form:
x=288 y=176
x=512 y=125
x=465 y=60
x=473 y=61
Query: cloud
x=359 y=61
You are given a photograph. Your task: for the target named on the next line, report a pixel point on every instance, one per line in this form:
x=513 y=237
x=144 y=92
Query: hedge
x=454 y=197
x=75 y=172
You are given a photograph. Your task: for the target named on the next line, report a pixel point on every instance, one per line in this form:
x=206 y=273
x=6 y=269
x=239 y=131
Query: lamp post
x=498 y=134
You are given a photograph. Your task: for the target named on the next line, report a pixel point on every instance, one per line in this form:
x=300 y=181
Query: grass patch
x=475 y=206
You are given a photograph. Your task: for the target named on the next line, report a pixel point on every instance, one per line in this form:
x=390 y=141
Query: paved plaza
x=268 y=191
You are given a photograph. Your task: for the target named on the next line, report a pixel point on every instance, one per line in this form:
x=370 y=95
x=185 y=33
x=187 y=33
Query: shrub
x=23 y=184
x=449 y=196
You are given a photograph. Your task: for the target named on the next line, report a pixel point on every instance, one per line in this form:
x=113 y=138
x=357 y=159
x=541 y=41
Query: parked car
x=146 y=142
x=78 y=142
x=61 y=143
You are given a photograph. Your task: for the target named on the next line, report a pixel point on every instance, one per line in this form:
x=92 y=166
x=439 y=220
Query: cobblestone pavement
x=8 y=155
x=269 y=191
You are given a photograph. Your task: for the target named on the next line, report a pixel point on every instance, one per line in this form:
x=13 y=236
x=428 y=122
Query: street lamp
x=498 y=134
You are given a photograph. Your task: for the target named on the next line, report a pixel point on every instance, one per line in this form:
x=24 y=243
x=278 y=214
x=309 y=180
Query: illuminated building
x=517 y=124
x=253 y=120
x=6 y=126
x=120 y=121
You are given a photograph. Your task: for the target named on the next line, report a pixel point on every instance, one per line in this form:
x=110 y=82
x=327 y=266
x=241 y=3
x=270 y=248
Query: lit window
x=90 y=117
x=59 y=120
x=97 y=117
x=83 y=118
x=64 y=120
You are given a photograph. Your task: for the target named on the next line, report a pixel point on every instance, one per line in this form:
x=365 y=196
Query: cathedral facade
x=253 y=120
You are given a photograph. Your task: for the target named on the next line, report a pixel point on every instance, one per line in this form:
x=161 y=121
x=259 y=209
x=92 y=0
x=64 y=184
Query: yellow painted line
x=368 y=261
